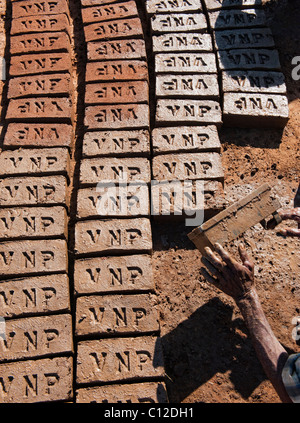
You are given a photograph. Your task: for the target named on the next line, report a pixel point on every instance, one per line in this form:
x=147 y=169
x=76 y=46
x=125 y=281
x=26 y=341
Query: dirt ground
x=208 y=354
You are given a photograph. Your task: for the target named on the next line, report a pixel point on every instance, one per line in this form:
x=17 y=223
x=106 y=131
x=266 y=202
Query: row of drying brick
x=187 y=93
x=177 y=74
x=246 y=56
x=185 y=68
x=50 y=379
x=119 y=94
x=52 y=190
x=113 y=264
x=40 y=89
x=253 y=86
x=116 y=92
x=126 y=142
x=34 y=287
x=110 y=155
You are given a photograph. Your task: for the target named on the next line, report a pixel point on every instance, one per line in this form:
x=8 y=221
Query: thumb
x=246 y=260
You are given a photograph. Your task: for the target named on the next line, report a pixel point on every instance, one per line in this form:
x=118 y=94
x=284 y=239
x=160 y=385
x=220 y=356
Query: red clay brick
x=185 y=198
x=38 y=7
x=43 y=23
x=243 y=38
x=255 y=110
x=116 y=314
x=118 y=201
x=41 y=42
x=108 y=12
x=96 y=2
x=34 y=295
x=125 y=169
x=185 y=139
x=121 y=116
x=187 y=85
x=157 y=6
x=253 y=81
x=117 y=70
x=31 y=222
x=249 y=59
x=178 y=22
x=108 y=360
x=113 y=29
x=113 y=235
x=40 y=108
x=187 y=166
x=114 y=143
x=38 y=135
x=194 y=63
x=39 y=85
x=147 y=392
x=189 y=111
x=115 y=50
x=237 y=18
x=33 y=381
x=31 y=161
x=36 y=337
x=185 y=42
x=33 y=190
x=34 y=256
x=117 y=92
x=39 y=63
x=113 y=274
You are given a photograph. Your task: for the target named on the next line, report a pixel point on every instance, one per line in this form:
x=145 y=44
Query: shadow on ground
x=193 y=354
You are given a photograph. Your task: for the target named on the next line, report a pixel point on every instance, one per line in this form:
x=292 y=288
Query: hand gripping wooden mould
x=237 y=218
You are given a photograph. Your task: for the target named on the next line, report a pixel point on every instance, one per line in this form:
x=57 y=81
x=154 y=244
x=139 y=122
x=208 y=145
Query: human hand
x=233 y=278
x=292 y=214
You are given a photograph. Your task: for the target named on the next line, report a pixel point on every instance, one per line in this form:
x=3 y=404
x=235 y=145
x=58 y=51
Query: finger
x=231 y=262
x=208 y=277
x=292 y=214
x=246 y=260
x=210 y=267
x=290 y=232
x=215 y=261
